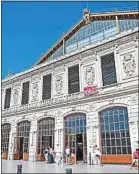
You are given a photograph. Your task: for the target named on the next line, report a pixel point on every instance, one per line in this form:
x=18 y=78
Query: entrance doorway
x=46 y=128
x=47 y=141
x=5 y=131
x=21 y=141
x=79 y=145
x=75 y=135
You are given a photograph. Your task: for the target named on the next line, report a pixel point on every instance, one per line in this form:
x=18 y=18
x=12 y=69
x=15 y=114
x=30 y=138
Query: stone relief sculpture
x=15 y=96
x=35 y=91
x=58 y=84
x=89 y=75
x=129 y=64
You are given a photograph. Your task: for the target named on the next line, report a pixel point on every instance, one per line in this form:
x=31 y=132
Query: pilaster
x=33 y=141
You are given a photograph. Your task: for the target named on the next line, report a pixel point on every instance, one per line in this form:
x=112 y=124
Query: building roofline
x=81 y=23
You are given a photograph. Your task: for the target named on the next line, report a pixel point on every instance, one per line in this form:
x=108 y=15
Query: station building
x=82 y=92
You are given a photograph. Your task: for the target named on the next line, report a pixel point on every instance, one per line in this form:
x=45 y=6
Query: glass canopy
x=93 y=33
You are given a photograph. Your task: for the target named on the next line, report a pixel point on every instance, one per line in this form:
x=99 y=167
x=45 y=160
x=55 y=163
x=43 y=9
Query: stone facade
x=61 y=104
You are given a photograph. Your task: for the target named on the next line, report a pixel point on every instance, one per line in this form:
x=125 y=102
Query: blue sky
x=31 y=28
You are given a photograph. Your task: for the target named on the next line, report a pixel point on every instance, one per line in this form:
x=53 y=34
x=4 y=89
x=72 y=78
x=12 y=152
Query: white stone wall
x=124 y=93
x=91 y=109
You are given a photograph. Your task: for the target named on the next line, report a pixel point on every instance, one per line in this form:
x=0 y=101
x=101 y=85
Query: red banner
x=90 y=90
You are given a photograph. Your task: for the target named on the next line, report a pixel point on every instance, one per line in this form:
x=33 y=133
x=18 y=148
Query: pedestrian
x=54 y=155
x=135 y=159
x=46 y=154
x=67 y=151
x=98 y=156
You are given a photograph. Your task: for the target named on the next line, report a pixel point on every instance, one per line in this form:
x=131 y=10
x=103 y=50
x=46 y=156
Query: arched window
x=115 y=136
x=46 y=128
x=75 y=135
x=5 y=131
x=22 y=138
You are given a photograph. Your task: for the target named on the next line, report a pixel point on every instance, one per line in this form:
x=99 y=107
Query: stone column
x=33 y=142
x=59 y=142
x=12 y=136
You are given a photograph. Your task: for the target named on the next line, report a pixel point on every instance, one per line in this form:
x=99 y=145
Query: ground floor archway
x=21 y=141
x=45 y=136
x=114 y=135
x=5 y=133
x=75 y=135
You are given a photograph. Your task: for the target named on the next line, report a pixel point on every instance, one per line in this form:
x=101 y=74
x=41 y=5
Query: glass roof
x=92 y=33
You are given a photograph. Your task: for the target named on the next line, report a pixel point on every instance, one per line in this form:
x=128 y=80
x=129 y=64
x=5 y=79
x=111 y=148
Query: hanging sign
x=90 y=90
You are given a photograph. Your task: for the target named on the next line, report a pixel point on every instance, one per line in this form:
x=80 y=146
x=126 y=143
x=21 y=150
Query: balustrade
x=44 y=103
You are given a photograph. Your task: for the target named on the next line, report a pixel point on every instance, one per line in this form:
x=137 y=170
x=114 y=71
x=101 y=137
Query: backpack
x=135 y=155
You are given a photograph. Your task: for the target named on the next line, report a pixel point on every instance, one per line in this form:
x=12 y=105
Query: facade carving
x=59 y=84
x=134 y=99
x=89 y=75
x=15 y=96
x=35 y=92
x=129 y=64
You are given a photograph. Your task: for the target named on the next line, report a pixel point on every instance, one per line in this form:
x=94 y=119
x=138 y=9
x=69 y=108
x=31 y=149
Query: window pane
x=121 y=125
x=108 y=142
x=129 y=150
x=118 y=150
x=106 y=119
x=124 y=142
x=127 y=134
x=104 y=150
x=118 y=142
x=123 y=134
x=113 y=150
x=107 y=127
x=121 y=117
x=112 y=135
x=116 y=126
x=111 y=127
x=108 y=150
x=124 y=150
x=107 y=135
x=115 y=118
x=103 y=142
x=111 y=119
x=117 y=134
x=113 y=142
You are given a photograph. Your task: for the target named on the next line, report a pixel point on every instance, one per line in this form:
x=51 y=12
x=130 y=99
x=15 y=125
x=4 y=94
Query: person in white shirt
x=67 y=151
x=98 y=156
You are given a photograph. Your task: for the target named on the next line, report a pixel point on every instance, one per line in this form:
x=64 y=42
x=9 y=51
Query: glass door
x=75 y=135
x=16 y=144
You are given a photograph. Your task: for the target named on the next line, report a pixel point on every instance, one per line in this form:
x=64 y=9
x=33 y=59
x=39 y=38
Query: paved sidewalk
x=10 y=166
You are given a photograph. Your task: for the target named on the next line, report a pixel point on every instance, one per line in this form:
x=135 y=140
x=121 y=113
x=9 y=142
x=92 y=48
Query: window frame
x=5 y=107
x=79 y=77
x=116 y=78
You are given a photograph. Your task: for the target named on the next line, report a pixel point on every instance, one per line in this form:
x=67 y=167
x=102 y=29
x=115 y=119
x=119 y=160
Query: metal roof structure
x=86 y=19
